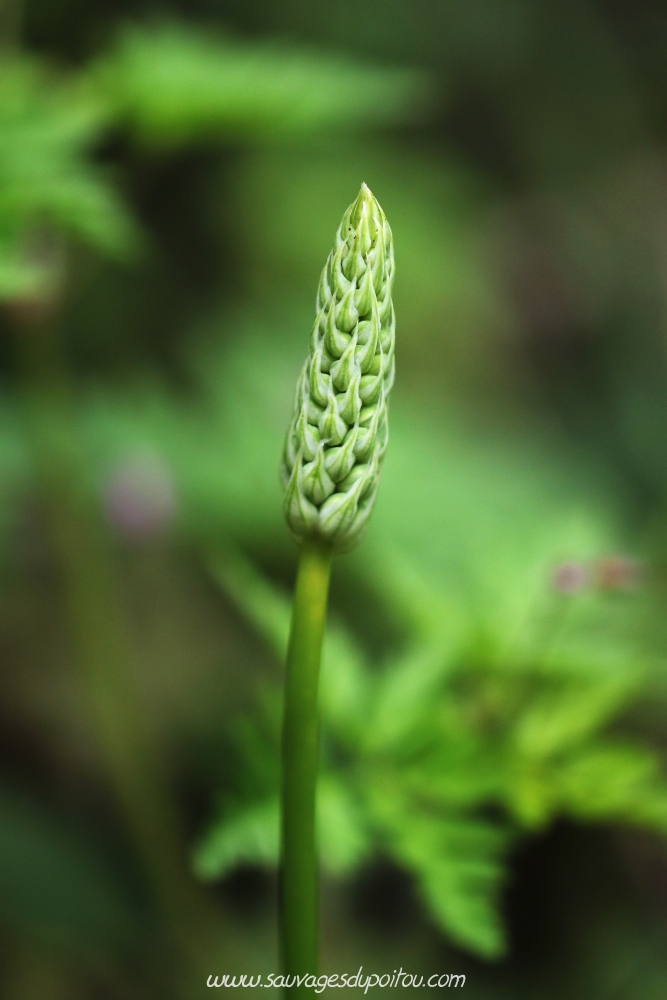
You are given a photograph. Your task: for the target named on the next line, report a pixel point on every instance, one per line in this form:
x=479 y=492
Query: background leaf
x=175 y=84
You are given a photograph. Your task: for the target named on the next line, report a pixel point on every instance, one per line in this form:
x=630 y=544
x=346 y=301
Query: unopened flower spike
x=338 y=434
x=331 y=466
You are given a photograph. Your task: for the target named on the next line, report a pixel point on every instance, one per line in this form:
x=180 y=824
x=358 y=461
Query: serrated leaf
x=249 y=836
x=459 y=868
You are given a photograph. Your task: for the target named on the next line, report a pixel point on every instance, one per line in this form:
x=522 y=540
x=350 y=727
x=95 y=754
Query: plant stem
x=299 y=891
x=100 y=641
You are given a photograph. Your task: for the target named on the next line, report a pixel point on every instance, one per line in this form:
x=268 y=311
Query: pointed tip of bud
x=365 y=198
x=365 y=210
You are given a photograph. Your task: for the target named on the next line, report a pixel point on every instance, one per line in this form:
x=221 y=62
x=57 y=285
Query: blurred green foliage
x=173 y=85
x=173 y=188
x=47 y=181
x=502 y=697
x=58 y=885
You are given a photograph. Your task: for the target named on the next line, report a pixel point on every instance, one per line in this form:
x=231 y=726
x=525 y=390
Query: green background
x=494 y=698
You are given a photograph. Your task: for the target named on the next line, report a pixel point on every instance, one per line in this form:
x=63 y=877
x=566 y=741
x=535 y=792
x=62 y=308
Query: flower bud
x=338 y=434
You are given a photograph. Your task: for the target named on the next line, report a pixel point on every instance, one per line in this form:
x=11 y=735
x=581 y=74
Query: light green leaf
x=47 y=180
x=405 y=694
x=459 y=869
x=557 y=719
x=249 y=836
x=267 y=608
x=174 y=84
x=343 y=683
x=344 y=838
x=617 y=782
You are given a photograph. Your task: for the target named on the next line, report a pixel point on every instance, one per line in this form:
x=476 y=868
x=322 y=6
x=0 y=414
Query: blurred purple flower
x=570 y=577
x=617 y=573
x=139 y=496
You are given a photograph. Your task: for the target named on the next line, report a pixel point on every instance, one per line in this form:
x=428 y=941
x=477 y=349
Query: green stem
x=299 y=891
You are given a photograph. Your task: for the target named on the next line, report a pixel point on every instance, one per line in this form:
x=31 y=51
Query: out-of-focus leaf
x=615 y=781
x=47 y=180
x=404 y=695
x=486 y=521
x=344 y=838
x=173 y=84
x=343 y=684
x=601 y=781
x=559 y=719
x=248 y=837
x=458 y=865
x=251 y=836
x=264 y=605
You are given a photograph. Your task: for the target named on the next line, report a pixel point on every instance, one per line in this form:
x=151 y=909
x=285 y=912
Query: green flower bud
x=338 y=434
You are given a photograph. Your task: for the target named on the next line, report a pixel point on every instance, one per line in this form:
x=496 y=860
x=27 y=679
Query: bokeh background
x=493 y=798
